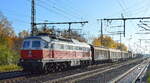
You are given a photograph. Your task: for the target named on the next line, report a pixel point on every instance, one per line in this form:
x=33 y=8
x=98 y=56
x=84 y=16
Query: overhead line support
x=124 y=20
x=62 y=23
x=134 y=18
x=33 y=11
x=69 y=29
x=101 y=32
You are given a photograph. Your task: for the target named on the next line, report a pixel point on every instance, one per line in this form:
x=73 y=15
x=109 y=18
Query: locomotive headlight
x=21 y=60
x=39 y=60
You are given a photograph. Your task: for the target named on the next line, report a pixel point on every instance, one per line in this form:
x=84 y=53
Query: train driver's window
x=52 y=46
x=45 y=44
x=36 y=44
x=26 y=44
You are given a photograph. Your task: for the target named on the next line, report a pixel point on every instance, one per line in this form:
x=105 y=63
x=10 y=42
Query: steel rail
x=80 y=76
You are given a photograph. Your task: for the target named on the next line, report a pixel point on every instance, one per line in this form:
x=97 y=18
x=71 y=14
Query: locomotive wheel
x=50 y=68
x=46 y=69
x=54 y=67
x=59 y=67
x=64 y=66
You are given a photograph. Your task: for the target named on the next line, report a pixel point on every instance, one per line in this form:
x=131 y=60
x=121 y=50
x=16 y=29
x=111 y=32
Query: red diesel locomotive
x=47 y=53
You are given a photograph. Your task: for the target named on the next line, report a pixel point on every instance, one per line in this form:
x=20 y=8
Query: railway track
x=80 y=76
x=12 y=74
x=69 y=75
x=18 y=76
x=134 y=75
x=52 y=76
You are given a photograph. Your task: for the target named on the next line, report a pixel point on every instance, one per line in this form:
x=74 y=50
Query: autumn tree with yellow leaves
x=108 y=42
x=8 y=54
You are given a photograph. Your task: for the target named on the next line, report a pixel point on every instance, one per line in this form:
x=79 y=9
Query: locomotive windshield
x=26 y=44
x=31 y=44
x=36 y=44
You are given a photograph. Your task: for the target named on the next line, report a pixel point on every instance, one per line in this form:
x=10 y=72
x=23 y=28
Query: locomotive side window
x=36 y=44
x=84 y=49
x=80 y=48
x=61 y=46
x=71 y=47
x=52 y=46
x=56 y=46
x=26 y=44
x=77 y=48
x=45 y=45
x=68 y=47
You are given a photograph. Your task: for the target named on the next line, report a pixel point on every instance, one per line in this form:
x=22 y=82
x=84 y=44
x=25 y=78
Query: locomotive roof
x=46 y=38
x=57 y=39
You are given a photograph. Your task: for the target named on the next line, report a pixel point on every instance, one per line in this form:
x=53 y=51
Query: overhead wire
x=69 y=6
x=61 y=10
x=51 y=11
x=68 y=3
x=121 y=6
x=138 y=11
x=131 y=8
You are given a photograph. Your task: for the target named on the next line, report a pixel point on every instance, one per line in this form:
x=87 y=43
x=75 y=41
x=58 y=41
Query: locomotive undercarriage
x=61 y=66
x=46 y=67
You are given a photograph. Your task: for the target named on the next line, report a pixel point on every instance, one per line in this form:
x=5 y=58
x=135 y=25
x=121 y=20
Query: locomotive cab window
x=51 y=46
x=45 y=44
x=26 y=44
x=36 y=44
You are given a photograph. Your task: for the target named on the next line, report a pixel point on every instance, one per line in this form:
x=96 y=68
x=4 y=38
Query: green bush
x=8 y=56
x=6 y=68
